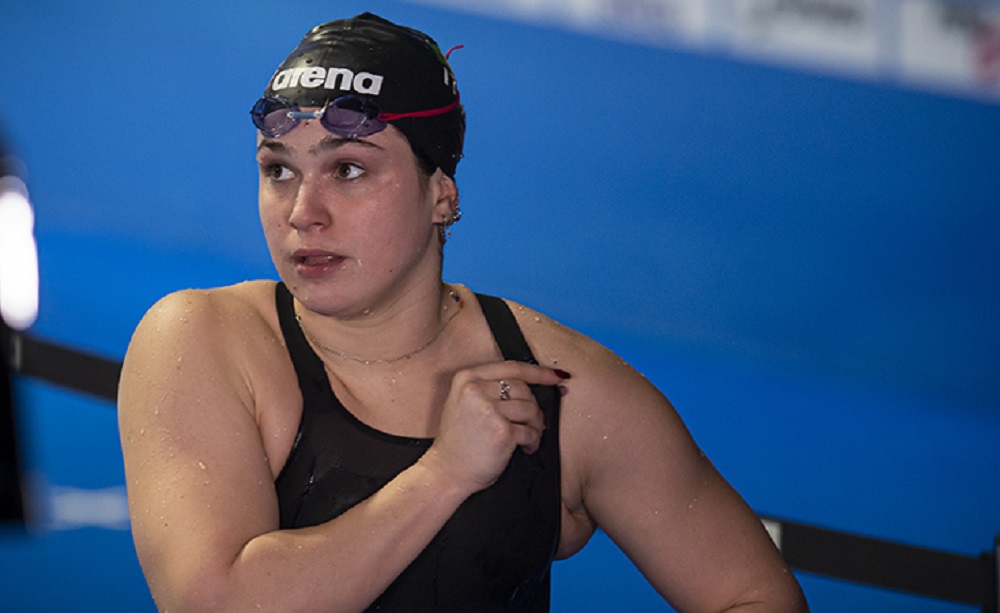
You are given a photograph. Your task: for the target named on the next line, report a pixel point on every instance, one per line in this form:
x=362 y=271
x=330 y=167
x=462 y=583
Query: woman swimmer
x=363 y=436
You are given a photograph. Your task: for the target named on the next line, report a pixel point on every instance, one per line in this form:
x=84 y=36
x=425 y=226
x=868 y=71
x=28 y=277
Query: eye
x=277 y=172
x=348 y=171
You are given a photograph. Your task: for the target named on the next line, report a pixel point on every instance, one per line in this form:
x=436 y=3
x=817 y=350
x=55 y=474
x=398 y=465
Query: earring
x=448 y=221
x=456 y=215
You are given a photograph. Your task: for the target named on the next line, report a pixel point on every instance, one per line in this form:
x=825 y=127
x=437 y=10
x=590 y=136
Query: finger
x=521 y=412
x=508 y=389
x=511 y=370
x=527 y=438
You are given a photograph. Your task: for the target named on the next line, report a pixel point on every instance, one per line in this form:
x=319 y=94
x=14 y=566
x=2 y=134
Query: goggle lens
x=347 y=116
x=352 y=117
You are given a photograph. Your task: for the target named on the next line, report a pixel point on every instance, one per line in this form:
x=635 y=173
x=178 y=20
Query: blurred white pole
x=18 y=255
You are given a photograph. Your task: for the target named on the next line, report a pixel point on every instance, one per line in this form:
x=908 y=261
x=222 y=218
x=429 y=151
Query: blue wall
x=808 y=266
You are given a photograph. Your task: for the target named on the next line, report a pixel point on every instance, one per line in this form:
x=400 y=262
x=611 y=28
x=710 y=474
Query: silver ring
x=504 y=390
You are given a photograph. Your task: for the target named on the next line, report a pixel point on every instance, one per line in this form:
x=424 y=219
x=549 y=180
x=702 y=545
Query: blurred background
x=785 y=213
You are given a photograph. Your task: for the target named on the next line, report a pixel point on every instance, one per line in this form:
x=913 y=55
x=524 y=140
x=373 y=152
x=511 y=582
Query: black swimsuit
x=493 y=554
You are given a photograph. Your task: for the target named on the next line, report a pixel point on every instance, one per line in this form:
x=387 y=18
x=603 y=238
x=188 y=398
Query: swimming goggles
x=347 y=116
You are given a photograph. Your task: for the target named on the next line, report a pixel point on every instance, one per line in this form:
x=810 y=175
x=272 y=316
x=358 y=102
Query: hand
x=490 y=411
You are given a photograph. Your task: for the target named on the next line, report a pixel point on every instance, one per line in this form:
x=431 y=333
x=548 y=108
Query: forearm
x=341 y=565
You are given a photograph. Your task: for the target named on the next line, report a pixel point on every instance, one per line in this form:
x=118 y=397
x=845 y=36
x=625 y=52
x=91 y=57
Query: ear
x=445 y=194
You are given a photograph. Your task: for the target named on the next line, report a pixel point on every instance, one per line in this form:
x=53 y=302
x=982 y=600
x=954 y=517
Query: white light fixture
x=18 y=255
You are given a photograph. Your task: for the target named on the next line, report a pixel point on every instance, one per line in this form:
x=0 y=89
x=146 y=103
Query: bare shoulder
x=217 y=308
x=552 y=342
x=603 y=385
x=206 y=332
x=197 y=321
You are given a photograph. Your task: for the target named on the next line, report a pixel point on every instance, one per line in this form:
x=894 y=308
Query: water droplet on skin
x=202 y=466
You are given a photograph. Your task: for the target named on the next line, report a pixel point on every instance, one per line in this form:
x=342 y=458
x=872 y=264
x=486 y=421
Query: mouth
x=312 y=263
x=314 y=260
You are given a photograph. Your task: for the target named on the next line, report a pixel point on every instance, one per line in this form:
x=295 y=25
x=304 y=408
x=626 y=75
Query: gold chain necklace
x=406 y=356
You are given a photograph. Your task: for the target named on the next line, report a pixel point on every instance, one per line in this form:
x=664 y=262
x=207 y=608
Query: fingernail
x=562 y=374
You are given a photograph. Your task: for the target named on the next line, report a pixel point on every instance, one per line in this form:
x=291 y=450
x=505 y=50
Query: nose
x=311 y=209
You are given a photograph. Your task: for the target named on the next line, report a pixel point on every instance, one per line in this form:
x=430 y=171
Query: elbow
x=784 y=597
x=195 y=590
x=791 y=598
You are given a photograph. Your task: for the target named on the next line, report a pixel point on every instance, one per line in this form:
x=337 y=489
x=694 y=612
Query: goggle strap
x=427 y=113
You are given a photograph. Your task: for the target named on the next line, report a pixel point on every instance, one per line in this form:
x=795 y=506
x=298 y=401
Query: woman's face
x=350 y=224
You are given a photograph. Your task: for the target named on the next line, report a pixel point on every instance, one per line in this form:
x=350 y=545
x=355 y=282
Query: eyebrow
x=272 y=145
x=329 y=143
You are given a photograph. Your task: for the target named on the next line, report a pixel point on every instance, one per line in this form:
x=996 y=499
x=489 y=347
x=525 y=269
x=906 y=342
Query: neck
x=384 y=338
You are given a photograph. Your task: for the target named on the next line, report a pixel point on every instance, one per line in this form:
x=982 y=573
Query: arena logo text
x=317 y=76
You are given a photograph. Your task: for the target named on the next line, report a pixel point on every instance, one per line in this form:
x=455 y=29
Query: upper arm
x=650 y=488
x=198 y=480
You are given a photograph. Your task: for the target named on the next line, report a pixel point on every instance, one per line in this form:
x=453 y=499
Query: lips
x=313 y=263
x=315 y=260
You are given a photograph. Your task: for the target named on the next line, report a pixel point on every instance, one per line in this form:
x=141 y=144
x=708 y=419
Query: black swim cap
x=399 y=68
